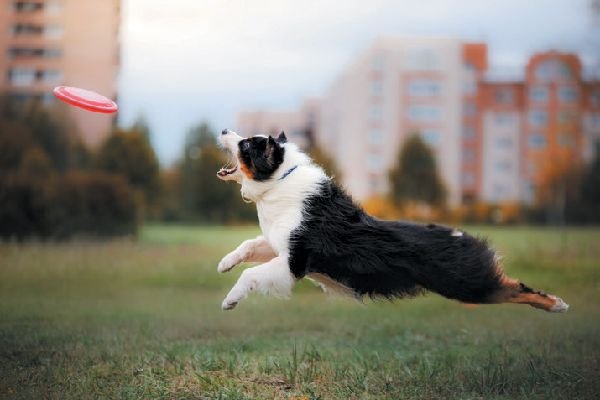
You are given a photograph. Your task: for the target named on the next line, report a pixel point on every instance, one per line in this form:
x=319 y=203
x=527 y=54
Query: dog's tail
x=466 y=268
x=513 y=291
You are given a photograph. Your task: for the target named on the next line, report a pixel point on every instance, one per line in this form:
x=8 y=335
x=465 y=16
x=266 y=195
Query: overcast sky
x=185 y=61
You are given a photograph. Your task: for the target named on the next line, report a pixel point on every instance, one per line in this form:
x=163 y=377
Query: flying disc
x=85 y=99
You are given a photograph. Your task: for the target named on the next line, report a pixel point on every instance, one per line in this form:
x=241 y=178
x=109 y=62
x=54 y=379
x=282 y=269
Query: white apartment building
x=398 y=86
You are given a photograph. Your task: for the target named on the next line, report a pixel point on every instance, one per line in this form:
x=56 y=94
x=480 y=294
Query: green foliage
x=416 y=178
x=590 y=191
x=67 y=205
x=325 y=160
x=129 y=154
x=30 y=125
x=42 y=195
x=204 y=196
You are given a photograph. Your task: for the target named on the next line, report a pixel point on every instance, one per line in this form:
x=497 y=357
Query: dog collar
x=289 y=171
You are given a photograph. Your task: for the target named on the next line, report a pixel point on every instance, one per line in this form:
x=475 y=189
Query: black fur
x=262 y=156
x=389 y=258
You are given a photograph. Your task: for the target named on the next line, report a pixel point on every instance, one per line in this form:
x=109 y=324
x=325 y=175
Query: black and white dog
x=311 y=228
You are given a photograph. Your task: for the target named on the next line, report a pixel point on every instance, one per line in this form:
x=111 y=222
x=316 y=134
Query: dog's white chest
x=277 y=223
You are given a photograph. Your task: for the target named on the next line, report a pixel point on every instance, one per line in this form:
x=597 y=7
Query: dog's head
x=256 y=158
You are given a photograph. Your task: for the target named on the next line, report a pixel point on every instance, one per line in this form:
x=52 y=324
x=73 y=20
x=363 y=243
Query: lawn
x=142 y=319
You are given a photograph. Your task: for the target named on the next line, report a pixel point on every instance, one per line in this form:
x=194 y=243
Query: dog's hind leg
x=273 y=277
x=513 y=291
x=252 y=250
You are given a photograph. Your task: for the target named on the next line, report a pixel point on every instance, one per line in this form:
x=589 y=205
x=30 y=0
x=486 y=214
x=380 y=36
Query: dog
x=312 y=228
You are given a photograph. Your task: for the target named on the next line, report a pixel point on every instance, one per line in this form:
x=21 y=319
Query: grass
x=126 y=319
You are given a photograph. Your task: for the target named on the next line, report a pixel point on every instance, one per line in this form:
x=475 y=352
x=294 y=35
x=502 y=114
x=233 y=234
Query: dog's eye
x=245 y=145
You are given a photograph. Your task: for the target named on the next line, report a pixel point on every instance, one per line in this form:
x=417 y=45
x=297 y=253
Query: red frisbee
x=85 y=99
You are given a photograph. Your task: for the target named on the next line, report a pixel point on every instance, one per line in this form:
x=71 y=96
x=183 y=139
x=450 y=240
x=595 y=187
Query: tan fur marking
x=328 y=284
x=246 y=171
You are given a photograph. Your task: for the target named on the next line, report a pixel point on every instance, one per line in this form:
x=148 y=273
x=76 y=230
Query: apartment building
x=496 y=137
x=397 y=87
x=45 y=43
x=537 y=126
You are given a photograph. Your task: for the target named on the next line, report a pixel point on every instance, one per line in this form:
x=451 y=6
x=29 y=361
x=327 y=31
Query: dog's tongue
x=226 y=171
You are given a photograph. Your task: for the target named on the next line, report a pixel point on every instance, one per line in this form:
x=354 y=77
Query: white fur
x=252 y=250
x=273 y=278
x=279 y=203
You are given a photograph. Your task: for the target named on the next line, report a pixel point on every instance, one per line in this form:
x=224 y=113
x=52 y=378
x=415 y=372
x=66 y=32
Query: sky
x=188 y=61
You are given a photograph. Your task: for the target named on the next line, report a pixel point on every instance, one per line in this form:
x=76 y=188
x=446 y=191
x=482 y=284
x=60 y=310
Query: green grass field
x=126 y=319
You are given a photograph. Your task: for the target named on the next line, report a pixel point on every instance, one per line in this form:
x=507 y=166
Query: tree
x=590 y=190
x=128 y=153
x=141 y=126
x=415 y=178
x=23 y=126
x=324 y=160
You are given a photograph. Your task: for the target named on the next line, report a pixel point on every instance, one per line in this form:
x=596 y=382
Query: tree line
x=52 y=186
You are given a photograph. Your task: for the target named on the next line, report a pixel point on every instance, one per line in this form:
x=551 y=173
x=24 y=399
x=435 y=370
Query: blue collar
x=289 y=171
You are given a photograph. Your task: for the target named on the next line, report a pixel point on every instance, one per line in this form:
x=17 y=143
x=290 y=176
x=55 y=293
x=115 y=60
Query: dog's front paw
x=228 y=304
x=228 y=262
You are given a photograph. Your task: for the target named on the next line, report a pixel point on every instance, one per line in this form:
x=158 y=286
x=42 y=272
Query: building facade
x=495 y=139
x=538 y=126
x=46 y=43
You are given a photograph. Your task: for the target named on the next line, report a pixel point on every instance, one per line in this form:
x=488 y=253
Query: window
x=375 y=112
x=468 y=133
x=537 y=141
x=504 y=96
x=375 y=137
x=422 y=59
x=503 y=119
x=431 y=137
x=595 y=98
x=54 y=7
x=469 y=109
x=538 y=94
x=424 y=113
x=504 y=143
x=566 y=117
x=468 y=179
x=567 y=94
x=377 y=62
x=51 y=76
x=538 y=118
x=424 y=88
x=594 y=120
x=376 y=88
x=53 y=31
x=502 y=166
x=24 y=29
x=468 y=156
x=566 y=140
x=27 y=6
x=532 y=167
x=22 y=76
x=17 y=52
x=375 y=162
x=553 y=69
x=499 y=191
x=469 y=86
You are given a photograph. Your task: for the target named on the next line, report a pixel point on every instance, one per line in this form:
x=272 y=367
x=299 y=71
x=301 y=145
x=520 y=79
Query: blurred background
x=482 y=114
x=501 y=103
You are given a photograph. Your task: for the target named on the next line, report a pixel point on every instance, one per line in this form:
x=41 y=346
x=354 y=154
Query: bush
x=74 y=204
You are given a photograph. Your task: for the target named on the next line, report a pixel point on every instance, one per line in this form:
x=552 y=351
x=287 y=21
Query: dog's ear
x=271 y=145
x=281 y=139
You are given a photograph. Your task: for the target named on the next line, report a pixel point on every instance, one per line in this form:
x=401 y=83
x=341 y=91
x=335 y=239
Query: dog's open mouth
x=226 y=171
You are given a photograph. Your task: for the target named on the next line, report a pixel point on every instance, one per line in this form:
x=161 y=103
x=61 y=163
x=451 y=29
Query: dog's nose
x=224 y=131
